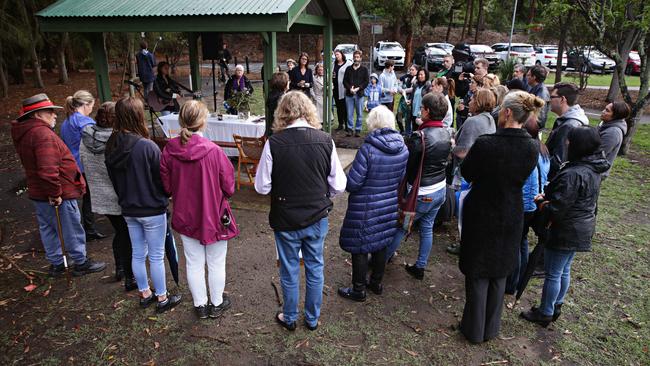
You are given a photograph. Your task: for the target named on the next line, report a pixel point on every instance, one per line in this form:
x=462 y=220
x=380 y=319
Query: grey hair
x=239 y=67
x=380 y=117
x=520 y=67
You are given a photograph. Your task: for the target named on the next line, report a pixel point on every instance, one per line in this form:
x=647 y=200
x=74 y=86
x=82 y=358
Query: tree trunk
x=60 y=58
x=533 y=10
x=4 y=84
x=466 y=23
x=319 y=48
x=409 y=45
x=632 y=125
x=471 y=16
x=561 y=45
x=614 y=90
x=397 y=26
x=451 y=22
x=36 y=68
x=478 y=20
x=131 y=56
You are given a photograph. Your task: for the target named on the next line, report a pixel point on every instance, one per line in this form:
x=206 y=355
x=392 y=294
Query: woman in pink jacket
x=200 y=178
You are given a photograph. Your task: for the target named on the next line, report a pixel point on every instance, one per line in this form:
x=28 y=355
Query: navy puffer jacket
x=371 y=219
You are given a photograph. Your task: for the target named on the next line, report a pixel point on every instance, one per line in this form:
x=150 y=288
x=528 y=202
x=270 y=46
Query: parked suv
x=633 y=64
x=346 y=49
x=430 y=55
x=385 y=51
x=547 y=56
x=523 y=52
x=465 y=53
x=590 y=60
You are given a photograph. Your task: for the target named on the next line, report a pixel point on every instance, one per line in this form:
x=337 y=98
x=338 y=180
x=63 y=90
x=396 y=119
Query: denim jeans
x=352 y=104
x=516 y=275
x=425 y=212
x=557 y=265
x=74 y=236
x=289 y=243
x=148 y=239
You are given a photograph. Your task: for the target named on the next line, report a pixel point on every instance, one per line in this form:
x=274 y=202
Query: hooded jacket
x=71 y=133
x=611 y=136
x=200 y=179
x=371 y=218
x=133 y=164
x=91 y=151
x=557 y=139
x=50 y=168
x=572 y=197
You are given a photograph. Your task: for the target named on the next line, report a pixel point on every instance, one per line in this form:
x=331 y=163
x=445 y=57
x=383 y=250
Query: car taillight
x=514 y=53
x=548 y=56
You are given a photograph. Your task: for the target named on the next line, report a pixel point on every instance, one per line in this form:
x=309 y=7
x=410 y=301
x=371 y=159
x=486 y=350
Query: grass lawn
x=596 y=79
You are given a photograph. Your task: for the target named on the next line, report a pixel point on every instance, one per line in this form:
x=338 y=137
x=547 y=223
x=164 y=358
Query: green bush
x=507 y=68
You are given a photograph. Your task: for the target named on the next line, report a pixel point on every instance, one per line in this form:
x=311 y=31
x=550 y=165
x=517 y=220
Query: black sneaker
x=557 y=311
x=417 y=273
x=357 y=134
x=119 y=274
x=376 y=288
x=217 y=311
x=146 y=301
x=454 y=249
x=536 y=316
x=56 y=270
x=170 y=302
x=348 y=133
x=89 y=266
x=288 y=326
x=310 y=327
x=96 y=235
x=202 y=311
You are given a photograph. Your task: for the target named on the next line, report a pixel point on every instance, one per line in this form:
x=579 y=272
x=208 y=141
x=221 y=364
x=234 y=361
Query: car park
x=466 y=53
x=347 y=49
x=384 y=51
x=524 y=53
x=590 y=60
x=431 y=56
x=547 y=56
x=633 y=64
x=448 y=47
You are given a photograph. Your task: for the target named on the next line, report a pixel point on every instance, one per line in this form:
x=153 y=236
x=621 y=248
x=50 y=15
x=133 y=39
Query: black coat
x=572 y=196
x=497 y=166
x=232 y=86
x=296 y=76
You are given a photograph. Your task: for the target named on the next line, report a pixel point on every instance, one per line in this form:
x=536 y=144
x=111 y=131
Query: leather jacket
x=437 y=142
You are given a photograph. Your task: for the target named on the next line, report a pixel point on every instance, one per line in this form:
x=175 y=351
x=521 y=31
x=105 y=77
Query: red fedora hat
x=36 y=103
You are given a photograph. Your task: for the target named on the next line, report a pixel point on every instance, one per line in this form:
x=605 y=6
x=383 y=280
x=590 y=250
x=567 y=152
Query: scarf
x=238 y=85
x=428 y=124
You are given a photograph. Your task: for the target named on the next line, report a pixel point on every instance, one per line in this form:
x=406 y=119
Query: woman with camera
x=200 y=179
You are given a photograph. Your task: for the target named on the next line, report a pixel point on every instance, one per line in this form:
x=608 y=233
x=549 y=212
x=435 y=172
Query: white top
x=336 y=179
x=449 y=117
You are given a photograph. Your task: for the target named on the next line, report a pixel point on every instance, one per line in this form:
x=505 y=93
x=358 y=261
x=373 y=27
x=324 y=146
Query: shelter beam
x=328 y=36
x=195 y=66
x=101 y=66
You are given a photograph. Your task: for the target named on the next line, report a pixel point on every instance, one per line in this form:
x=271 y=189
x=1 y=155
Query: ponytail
x=76 y=100
x=192 y=117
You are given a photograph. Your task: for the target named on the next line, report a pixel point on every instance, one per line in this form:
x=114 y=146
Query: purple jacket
x=199 y=177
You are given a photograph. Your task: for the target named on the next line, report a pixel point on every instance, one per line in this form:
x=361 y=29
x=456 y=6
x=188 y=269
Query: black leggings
x=121 y=244
x=341 y=112
x=360 y=269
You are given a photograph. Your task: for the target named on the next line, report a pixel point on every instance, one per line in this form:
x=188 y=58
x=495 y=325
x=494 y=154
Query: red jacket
x=49 y=166
x=200 y=178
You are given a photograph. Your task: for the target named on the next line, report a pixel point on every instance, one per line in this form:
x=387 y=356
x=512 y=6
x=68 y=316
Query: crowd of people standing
x=504 y=178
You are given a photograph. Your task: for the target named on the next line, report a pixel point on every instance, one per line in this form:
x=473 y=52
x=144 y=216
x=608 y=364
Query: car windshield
x=523 y=49
x=391 y=47
x=480 y=48
x=595 y=54
x=551 y=51
x=434 y=50
x=346 y=49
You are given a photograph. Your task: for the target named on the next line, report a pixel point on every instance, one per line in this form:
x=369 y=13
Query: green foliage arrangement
x=241 y=101
x=507 y=68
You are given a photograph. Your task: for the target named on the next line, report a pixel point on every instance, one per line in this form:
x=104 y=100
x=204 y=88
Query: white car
x=385 y=51
x=347 y=49
x=447 y=47
x=523 y=52
x=547 y=56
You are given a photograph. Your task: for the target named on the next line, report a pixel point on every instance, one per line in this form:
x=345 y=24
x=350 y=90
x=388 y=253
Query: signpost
x=375 y=29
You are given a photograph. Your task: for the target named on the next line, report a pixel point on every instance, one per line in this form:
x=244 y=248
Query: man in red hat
x=53 y=179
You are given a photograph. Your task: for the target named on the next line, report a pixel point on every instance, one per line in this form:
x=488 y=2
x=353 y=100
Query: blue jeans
x=289 y=243
x=425 y=212
x=74 y=235
x=353 y=104
x=148 y=239
x=557 y=265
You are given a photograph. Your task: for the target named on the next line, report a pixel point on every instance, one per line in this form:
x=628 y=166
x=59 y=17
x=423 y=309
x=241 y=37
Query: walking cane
x=60 y=231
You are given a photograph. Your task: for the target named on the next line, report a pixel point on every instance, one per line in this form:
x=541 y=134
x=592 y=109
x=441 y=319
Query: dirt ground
x=95 y=322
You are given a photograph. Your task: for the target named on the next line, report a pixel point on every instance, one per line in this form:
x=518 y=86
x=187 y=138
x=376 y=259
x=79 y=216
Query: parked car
x=523 y=52
x=385 y=51
x=430 y=55
x=547 y=56
x=633 y=64
x=590 y=60
x=347 y=49
x=448 y=47
x=465 y=53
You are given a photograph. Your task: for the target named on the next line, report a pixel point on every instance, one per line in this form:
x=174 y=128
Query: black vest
x=301 y=165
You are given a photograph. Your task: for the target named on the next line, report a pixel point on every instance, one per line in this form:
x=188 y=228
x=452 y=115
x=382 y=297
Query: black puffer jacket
x=437 y=142
x=572 y=197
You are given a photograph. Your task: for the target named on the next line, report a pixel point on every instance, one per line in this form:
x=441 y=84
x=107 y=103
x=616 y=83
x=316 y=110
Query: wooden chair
x=250 y=152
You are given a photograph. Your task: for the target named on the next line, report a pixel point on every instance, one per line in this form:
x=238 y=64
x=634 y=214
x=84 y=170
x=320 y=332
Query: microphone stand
x=152 y=113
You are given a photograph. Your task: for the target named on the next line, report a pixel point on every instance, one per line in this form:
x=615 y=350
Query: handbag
x=407 y=200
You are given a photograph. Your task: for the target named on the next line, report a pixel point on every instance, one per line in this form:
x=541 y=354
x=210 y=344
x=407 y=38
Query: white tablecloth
x=219 y=130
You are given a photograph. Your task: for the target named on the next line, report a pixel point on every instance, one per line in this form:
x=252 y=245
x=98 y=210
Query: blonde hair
x=76 y=100
x=293 y=106
x=380 y=117
x=491 y=80
x=192 y=117
x=522 y=104
x=499 y=91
